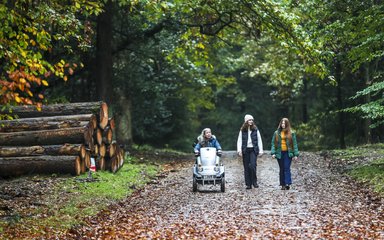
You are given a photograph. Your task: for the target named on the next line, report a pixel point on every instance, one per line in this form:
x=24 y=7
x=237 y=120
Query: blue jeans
x=285 y=169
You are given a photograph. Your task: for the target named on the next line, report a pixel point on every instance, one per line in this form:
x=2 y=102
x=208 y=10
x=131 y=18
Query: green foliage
x=189 y=64
x=309 y=137
x=30 y=32
x=367 y=164
x=372 y=173
x=373 y=110
x=361 y=151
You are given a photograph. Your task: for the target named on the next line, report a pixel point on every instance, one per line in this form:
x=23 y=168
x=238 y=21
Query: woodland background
x=170 y=68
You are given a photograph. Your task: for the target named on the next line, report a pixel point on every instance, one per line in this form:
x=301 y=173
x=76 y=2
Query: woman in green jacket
x=284 y=149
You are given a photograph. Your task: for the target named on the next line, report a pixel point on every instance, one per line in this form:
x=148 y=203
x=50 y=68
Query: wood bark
x=55 y=109
x=111 y=123
x=43 y=137
x=62 y=138
x=107 y=135
x=367 y=99
x=104 y=60
x=340 y=103
x=88 y=138
x=111 y=164
x=93 y=121
x=65 y=149
x=123 y=118
x=30 y=124
x=46 y=164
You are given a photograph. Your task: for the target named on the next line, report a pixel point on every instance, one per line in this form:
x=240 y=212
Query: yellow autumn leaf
x=39 y=106
x=23 y=53
x=65 y=78
x=45 y=83
x=30 y=93
x=17 y=99
x=200 y=45
x=21 y=87
x=41 y=96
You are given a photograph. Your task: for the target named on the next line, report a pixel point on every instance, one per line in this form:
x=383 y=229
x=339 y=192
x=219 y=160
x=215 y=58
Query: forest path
x=320 y=205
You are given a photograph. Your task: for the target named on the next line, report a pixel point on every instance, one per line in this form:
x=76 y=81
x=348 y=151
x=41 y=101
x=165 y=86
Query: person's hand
x=273 y=156
x=197 y=154
x=240 y=153
x=219 y=153
x=261 y=154
x=295 y=158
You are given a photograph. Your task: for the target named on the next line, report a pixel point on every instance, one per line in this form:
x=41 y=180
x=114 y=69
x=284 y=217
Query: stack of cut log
x=61 y=138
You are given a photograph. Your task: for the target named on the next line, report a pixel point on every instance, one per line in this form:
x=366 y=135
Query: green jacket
x=276 y=150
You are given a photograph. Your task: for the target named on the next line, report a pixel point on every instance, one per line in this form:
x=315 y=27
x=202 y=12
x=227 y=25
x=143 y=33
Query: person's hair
x=201 y=137
x=287 y=131
x=245 y=126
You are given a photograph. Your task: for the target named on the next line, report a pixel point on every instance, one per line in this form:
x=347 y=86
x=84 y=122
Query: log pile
x=61 y=138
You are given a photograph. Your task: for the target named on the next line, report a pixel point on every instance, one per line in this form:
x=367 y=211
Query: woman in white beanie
x=249 y=146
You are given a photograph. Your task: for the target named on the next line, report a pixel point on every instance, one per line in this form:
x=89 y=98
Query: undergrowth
x=367 y=164
x=75 y=198
x=372 y=173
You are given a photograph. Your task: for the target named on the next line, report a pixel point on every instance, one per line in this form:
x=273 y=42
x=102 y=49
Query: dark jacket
x=244 y=140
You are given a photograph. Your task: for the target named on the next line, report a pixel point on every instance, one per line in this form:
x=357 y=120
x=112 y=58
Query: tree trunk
x=104 y=61
x=367 y=121
x=17 y=166
x=305 y=99
x=66 y=149
x=123 y=119
x=341 y=114
x=44 y=137
x=30 y=111
x=45 y=123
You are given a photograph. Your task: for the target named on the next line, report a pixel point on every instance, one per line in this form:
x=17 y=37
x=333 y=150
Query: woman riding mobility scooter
x=208 y=168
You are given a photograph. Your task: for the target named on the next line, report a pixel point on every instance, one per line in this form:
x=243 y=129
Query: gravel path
x=320 y=205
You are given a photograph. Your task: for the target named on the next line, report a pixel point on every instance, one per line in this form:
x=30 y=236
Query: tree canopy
x=166 y=65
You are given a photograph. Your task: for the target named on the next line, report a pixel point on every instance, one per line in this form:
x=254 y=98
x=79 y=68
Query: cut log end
x=103 y=115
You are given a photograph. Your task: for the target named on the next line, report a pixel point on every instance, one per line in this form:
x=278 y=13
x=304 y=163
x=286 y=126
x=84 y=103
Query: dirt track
x=320 y=205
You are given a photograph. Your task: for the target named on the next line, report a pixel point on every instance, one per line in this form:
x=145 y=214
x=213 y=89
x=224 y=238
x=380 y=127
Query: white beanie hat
x=247 y=117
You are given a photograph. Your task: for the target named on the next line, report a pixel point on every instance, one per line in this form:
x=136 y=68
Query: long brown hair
x=287 y=131
x=245 y=126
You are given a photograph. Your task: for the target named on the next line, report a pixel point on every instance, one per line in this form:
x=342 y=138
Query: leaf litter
x=322 y=204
